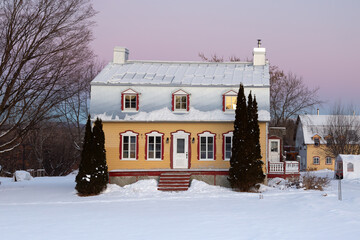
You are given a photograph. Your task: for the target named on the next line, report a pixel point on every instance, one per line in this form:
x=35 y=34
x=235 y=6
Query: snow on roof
x=350 y=159
x=315 y=125
x=166 y=114
x=184 y=73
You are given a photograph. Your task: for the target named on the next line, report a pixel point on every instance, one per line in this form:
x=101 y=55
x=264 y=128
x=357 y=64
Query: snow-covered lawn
x=48 y=208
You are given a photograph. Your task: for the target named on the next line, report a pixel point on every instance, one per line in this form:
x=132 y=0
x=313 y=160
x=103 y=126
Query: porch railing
x=288 y=167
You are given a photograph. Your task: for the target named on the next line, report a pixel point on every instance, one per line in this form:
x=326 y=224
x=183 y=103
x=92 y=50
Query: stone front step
x=174 y=181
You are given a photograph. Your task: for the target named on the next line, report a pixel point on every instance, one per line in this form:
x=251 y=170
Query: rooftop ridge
x=184 y=62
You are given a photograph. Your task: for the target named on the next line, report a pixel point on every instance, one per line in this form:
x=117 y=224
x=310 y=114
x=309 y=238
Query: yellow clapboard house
x=161 y=118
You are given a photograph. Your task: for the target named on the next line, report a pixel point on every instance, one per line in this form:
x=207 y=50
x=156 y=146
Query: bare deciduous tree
x=216 y=58
x=289 y=96
x=341 y=132
x=74 y=110
x=42 y=44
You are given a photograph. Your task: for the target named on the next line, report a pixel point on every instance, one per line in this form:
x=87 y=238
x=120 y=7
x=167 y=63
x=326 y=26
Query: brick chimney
x=259 y=55
x=121 y=55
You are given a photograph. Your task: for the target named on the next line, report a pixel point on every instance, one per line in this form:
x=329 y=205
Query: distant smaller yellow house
x=162 y=118
x=311 y=141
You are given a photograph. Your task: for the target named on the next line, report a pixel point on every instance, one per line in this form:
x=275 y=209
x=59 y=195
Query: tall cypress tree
x=86 y=169
x=239 y=150
x=256 y=128
x=101 y=177
x=245 y=163
x=254 y=172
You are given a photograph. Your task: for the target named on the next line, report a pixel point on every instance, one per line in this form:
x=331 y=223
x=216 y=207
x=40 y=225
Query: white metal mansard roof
x=184 y=73
x=316 y=125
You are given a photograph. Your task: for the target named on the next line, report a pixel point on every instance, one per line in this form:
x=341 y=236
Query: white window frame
x=154 y=134
x=231 y=135
x=207 y=135
x=129 y=134
x=181 y=93
x=129 y=93
x=231 y=94
x=316 y=143
x=350 y=167
x=318 y=160
x=326 y=161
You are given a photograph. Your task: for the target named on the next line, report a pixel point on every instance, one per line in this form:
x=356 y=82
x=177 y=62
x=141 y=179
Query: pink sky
x=317 y=40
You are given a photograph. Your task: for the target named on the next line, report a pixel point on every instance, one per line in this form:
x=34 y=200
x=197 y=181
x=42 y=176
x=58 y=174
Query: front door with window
x=274 y=155
x=180 y=150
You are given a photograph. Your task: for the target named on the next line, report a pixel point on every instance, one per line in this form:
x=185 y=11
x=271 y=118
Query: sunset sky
x=318 y=40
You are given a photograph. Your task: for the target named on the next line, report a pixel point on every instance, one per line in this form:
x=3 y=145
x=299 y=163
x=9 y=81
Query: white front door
x=180 y=150
x=274 y=150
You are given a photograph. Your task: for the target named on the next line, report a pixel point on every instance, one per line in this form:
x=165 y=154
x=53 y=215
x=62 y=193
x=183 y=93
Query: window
x=316 y=160
x=329 y=141
x=227 y=145
x=229 y=101
x=129 y=145
x=274 y=147
x=129 y=100
x=328 y=160
x=180 y=101
x=154 y=146
x=316 y=141
x=206 y=150
x=350 y=167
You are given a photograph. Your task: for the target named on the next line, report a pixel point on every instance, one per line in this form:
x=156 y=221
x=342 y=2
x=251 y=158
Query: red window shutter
x=137 y=147
x=198 y=148
x=223 y=148
x=214 y=147
x=188 y=102
x=189 y=153
x=162 y=147
x=223 y=103
x=146 y=146
x=122 y=102
x=172 y=102
x=171 y=152
x=137 y=102
x=120 y=147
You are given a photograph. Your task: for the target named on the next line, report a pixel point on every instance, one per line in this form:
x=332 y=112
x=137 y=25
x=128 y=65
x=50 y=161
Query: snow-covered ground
x=48 y=208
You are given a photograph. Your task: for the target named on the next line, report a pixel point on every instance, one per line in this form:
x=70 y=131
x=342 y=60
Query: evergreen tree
x=101 y=177
x=84 y=184
x=245 y=163
x=239 y=149
x=255 y=173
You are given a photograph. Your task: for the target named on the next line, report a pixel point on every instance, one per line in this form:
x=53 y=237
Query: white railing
x=292 y=167
x=276 y=167
x=288 y=167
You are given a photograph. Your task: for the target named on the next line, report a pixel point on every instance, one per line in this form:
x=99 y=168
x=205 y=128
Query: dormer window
x=129 y=100
x=229 y=101
x=180 y=101
x=316 y=141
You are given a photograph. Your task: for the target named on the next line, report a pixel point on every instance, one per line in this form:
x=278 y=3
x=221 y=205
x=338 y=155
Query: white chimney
x=121 y=55
x=259 y=55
